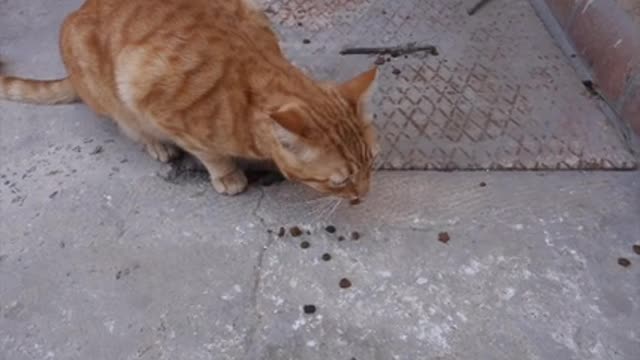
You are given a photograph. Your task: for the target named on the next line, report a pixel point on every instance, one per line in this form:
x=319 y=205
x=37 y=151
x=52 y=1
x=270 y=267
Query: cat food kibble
x=624 y=262
x=295 y=231
x=309 y=309
x=355 y=235
x=396 y=71
x=330 y=229
x=306 y=41
x=443 y=237
x=345 y=283
x=281 y=232
x=483 y=184
x=305 y=245
x=636 y=249
x=326 y=257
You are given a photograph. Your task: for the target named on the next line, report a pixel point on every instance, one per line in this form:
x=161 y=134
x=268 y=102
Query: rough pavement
x=133 y=266
x=106 y=254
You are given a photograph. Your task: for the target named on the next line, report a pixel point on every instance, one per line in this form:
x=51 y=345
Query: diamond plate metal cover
x=500 y=94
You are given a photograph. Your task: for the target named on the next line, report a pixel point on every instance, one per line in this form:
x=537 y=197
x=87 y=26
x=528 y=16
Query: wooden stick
x=394 y=51
x=478 y=6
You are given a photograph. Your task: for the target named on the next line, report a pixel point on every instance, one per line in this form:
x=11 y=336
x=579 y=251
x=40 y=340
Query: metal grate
x=500 y=94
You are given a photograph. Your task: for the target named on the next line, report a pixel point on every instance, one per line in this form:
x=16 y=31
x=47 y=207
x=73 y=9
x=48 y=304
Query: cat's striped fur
x=208 y=77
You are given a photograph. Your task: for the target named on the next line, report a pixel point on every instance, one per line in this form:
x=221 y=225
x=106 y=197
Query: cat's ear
x=290 y=130
x=357 y=90
x=291 y=119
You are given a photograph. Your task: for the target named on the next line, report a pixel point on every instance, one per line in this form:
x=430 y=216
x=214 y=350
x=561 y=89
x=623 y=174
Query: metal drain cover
x=500 y=94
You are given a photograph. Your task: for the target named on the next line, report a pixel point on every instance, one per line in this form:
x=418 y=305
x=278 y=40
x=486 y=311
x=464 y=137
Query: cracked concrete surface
x=132 y=266
x=107 y=254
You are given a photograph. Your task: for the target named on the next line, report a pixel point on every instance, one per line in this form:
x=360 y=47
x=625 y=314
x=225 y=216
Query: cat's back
x=239 y=23
x=172 y=49
x=216 y=26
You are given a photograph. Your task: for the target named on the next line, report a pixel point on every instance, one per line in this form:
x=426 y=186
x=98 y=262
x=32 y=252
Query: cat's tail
x=37 y=91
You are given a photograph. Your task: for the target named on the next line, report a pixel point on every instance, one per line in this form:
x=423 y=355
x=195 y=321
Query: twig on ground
x=394 y=51
x=478 y=6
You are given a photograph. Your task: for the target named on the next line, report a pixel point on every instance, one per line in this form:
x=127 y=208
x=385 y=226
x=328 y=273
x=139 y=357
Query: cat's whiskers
x=329 y=210
x=315 y=201
x=321 y=207
x=333 y=210
x=322 y=210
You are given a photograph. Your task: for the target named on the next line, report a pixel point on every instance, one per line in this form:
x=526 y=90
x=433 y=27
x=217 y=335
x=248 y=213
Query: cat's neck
x=283 y=86
x=280 y=83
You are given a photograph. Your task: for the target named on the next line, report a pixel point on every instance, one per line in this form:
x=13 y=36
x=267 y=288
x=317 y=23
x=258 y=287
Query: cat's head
x=329 y=143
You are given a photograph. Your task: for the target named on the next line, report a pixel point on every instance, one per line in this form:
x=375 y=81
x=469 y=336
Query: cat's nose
x=362 y=190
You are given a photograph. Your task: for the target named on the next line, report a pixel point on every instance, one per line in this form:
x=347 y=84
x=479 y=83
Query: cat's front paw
x=231 y=184
x=162 y=152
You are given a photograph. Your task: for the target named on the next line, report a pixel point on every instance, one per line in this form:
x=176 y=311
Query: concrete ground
x=105 y=264
x=106 y=254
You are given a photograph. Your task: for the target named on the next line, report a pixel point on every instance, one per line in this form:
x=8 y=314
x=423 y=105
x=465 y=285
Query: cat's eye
x=338 y=182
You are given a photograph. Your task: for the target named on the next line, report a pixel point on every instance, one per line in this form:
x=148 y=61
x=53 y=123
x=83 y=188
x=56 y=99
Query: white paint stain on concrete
x=473 y=268
x=312 y=343
x=298 y=323
x=507 y=293
x=547 y=238
x=110 y=325
x=587 y=6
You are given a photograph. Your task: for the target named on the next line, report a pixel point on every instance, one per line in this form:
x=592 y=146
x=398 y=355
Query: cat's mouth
x=349 y=193
x=352 y=192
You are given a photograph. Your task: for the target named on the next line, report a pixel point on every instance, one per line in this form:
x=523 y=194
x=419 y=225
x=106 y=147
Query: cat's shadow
x=187 y=169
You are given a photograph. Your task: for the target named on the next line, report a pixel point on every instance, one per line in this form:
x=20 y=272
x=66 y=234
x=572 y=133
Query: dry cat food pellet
x=345 y=283
x=295 y=231
x=443 y=237
x=306 y=41
x=355 y=235
x=636 y=249
x=309 y=309
x=396 y=71
x=330 y=229
x=624 y=262
x=483 y=184
x=326 y=257
x=305 y=245
x=281 y=232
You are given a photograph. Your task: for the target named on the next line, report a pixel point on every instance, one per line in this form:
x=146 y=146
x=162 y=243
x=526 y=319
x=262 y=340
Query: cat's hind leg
x=157 y=147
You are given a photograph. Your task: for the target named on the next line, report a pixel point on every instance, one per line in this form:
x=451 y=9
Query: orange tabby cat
x=208 y=76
